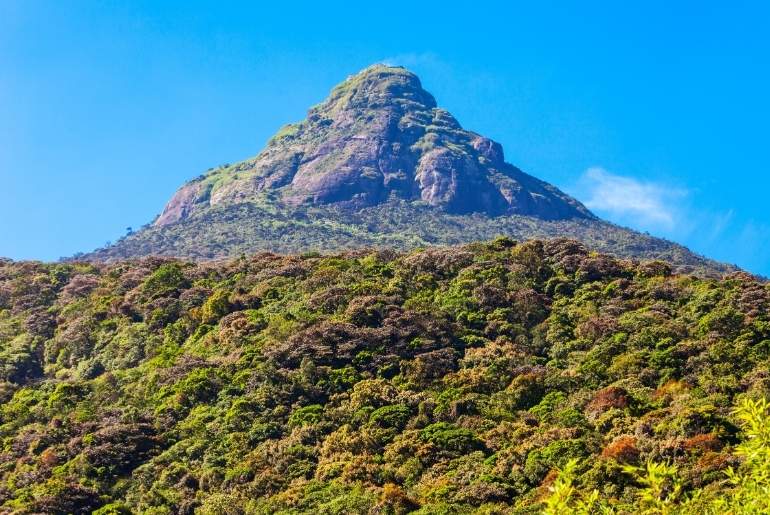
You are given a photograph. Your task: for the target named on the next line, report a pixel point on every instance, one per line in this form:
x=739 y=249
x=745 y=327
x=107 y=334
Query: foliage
x=232 y=230
x=742 y=491
x=452 y=380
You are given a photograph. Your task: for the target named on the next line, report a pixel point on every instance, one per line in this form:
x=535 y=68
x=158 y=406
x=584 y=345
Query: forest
x=496 y=377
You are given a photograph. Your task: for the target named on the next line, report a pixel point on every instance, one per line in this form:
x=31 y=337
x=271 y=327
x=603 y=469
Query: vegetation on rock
x=378 y=135
x=254 y=227
x=376 y=164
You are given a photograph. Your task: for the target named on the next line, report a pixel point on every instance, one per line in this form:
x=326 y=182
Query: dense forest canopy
x=445 y=380
x=247 y=228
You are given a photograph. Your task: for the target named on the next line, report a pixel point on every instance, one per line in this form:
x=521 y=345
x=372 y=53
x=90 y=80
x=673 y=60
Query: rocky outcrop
x=379 y=135
x=181 y=204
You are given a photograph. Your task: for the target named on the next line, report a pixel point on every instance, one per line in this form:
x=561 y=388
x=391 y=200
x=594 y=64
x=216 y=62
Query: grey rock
x=378 y=136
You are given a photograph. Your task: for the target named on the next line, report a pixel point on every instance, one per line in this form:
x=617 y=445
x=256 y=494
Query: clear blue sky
x=654 y=114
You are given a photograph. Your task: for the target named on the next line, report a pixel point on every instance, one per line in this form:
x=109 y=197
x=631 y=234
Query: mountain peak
x=377 y=163
x=378 y=135
x=380 y=85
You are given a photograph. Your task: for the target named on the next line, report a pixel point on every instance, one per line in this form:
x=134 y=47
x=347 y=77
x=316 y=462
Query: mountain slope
x=444 y=380
x=379 y=135
x=246 y=228
x=377 y=164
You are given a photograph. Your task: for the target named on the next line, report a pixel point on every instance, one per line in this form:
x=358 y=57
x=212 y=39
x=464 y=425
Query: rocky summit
x=379 y=135
x=377 y=164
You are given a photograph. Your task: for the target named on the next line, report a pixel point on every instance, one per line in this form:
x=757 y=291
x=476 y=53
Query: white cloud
x=721 y=221
x=676 y=213
x=427 y=65
x=413 y=59
x=648 y=205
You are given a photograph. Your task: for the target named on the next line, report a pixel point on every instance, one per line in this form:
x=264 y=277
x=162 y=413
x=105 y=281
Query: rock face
x=378 y=136
x=377 y=164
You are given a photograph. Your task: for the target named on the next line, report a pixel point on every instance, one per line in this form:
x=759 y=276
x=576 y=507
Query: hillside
x=379 y=135
x=377 y=163
x=246 y=228
x=436 y=381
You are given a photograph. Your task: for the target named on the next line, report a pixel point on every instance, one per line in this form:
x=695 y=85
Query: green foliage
x=166 y=280
x=395 y=416
x=553 y=455
x=662 y=490
x=113 y=509
x=215 y=307
x=306 y=415
x=446 y=380
x=565 y=498
x=447 y=437
x=751 y=483
x=244 y=228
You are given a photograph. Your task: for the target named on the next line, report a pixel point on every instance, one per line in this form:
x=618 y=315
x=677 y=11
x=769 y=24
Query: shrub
x=166 y=280
x=622 y=449
x=610 y=397
x=451 y=438
x=306 y=415
x=215 y=307
x=395 y=416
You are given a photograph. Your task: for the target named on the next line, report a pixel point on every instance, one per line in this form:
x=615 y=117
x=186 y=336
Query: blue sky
x=653 y=114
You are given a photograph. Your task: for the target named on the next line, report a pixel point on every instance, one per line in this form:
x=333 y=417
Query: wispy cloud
x=428 y=65
x=413 y=59
x=674 y=212
x=651 y=205
x=720 y=222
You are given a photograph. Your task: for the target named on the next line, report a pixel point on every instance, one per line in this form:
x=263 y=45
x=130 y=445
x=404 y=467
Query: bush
x=165 y=281
x=395 y=416
x=306 y=415
x=450 y=438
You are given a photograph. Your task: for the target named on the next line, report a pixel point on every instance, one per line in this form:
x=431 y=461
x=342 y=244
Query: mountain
x=446 y=380
x=378 y=136
x=376 y=164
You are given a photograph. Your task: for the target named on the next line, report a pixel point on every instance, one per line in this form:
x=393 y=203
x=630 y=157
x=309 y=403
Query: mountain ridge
x=378 y=135
x=402 y=226
x=377 y=163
